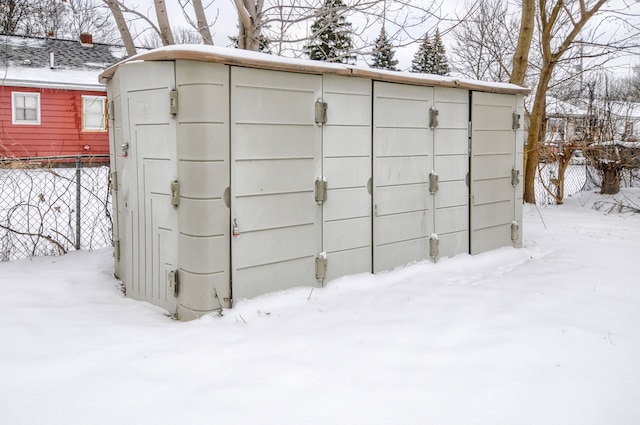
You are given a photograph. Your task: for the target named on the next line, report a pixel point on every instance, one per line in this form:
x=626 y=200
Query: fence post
x=78 y=185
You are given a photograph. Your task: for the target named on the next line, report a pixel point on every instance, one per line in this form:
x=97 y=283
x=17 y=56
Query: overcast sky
x=226 y=25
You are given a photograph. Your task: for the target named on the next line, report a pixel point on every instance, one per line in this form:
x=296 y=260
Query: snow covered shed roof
x=229 y=56
x=28 y=62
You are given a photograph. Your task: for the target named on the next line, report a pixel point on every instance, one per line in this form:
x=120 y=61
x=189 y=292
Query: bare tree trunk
x=563 y=163
x=201 y=22
x=536 y=121
x=250 y=23
x=163 y=23
x=610 y=180
x=549 y=22
x=122 y=27
x=521 y=56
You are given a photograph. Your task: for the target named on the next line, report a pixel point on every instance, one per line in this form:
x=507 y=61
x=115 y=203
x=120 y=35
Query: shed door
x=451 y=163
x=275 y=160
x=403 y=158
x=346 y=142
x=150 y=236
x=493 y=156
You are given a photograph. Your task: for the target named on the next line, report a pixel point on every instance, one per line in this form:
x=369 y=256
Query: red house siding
x=60 y=130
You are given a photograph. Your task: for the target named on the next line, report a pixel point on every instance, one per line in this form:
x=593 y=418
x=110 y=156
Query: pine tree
x=431 y=57
x=332 y=35
x=422 y=60
x=440 y=62
x=383 y=53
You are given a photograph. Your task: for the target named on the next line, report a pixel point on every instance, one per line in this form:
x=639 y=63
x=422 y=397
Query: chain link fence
x=50 y=208
x=577 y=177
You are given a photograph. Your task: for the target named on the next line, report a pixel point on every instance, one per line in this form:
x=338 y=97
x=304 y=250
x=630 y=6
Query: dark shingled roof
x=16 y=50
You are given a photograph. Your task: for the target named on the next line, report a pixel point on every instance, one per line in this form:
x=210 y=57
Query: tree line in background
x=558 y=48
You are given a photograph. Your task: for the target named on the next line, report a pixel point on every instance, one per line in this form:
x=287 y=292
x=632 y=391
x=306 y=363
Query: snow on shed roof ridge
x=231 y=56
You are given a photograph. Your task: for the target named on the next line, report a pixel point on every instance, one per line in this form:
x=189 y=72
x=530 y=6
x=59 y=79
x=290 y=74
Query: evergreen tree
x=440 y=62
x=423 y=59
x=431 y=57
x=332 y=35
x=383 y=53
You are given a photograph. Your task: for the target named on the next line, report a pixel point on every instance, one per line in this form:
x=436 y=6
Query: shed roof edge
x=244 y=58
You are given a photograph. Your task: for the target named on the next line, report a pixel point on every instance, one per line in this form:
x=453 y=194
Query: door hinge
x=111 y=110
x=434 y=245
x=321 y=266
x=173 y=283
x=433 y=182
x=113 y=181
x=515 y=231
x=433 y=117
x=515 y=121
x=321 y=190
x=321 y=112
x=173 y=102
x=175 y=193
x=469 y=132
x=116 y=250
x=515 y=177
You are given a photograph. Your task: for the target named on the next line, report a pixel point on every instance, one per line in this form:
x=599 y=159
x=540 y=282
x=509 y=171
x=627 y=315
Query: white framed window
x=93 y=113
x=25 y=108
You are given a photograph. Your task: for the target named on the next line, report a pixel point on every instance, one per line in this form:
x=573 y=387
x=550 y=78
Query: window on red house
x=93 y=113
x=25 y=108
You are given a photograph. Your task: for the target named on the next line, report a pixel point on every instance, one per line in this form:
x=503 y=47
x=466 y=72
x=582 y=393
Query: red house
x=51 y=103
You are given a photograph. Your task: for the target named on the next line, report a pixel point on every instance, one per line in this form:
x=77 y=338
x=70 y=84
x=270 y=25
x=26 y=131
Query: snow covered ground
x=548 y=334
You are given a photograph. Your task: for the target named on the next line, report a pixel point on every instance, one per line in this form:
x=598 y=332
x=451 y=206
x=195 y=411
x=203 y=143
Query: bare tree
x=525 y=35
x=559 y=25
x=123 y=28
x=164 y=29
x=250 y=15
x=93 y=17
x=201 y=24
x=484 y=43
x=12 y=13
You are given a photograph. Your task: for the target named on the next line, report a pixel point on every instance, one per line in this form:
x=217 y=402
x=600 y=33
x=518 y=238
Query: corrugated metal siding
x=60 y=129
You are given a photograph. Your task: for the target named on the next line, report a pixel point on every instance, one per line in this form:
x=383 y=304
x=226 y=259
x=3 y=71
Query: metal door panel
x=392 y=200
x=346 y=141
x=403 y=159
x=275 y=159
x=453 y=141
x=452 y=219
x=403 y=227
x=347 y=204
x=348 y=234
x=262 y=213
x=273 y=141
x=348 y=172
x=203 y=173
x=398 y=171
x=149 y=167
x=275 y=176
x=491 y=191
x=275 y=277
x=451 y=163
x=401 y=141
x=493 y=156
x=273 y=246
x=391 y=256
x=453 y=194
x=451 y=168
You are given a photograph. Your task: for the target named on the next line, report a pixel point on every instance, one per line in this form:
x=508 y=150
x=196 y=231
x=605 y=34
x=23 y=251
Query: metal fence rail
x=49 y=206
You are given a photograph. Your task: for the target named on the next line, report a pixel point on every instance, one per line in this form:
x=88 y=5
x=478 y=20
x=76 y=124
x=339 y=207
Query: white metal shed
x=236 y=173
